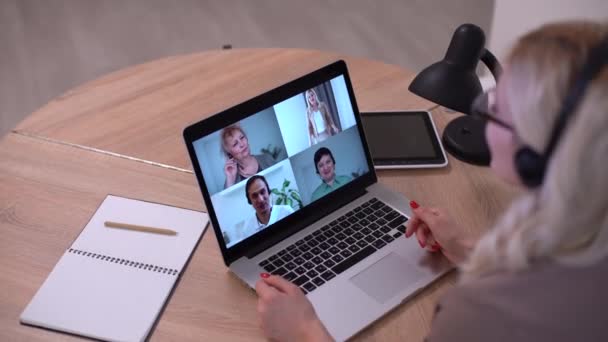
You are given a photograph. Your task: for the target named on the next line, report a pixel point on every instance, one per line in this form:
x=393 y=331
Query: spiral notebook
x=112 y=284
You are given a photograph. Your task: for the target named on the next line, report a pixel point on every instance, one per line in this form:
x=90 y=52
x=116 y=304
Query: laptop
x=290 y=187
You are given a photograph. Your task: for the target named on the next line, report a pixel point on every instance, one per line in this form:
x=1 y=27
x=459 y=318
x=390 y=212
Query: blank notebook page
x=111 y=283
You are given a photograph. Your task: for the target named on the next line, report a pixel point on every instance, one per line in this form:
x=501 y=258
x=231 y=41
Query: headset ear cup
x=530 y=167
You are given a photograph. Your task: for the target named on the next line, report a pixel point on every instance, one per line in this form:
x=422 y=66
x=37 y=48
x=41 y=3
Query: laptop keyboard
x=331 y=250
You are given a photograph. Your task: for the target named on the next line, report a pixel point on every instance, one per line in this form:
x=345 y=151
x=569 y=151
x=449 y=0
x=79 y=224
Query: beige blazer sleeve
x=549 y=302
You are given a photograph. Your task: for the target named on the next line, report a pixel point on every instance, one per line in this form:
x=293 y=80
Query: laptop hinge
x=301 y=224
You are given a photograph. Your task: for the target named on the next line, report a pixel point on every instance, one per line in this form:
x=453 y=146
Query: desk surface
x=121 y=134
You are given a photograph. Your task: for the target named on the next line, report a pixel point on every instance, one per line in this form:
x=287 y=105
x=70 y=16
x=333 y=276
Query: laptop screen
x=277 y=161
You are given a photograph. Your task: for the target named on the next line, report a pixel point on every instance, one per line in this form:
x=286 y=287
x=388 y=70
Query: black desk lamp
x=453 y=83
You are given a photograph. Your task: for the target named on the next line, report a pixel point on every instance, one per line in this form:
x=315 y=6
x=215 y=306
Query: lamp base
x=464 y=138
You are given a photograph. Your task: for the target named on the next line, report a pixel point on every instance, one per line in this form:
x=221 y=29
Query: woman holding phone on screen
x=240 y=163
x=320 y=124
x=541 y=273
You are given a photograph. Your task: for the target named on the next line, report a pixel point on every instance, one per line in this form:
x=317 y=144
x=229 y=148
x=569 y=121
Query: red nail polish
x=264 y=275
x=435 y=248
x=421 y=244
x=414 y=205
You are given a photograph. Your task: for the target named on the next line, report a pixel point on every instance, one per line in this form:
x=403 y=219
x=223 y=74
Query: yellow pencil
x=119 y=225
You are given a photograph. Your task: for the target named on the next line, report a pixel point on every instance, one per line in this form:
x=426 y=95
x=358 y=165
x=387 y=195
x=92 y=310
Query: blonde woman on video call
x=240 y=163
x=320 y=123
x=541 y=273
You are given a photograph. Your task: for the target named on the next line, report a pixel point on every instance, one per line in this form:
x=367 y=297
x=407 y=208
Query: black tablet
x=403 y=139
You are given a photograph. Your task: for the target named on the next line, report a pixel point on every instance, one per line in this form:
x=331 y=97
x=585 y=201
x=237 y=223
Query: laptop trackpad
x=387 y=277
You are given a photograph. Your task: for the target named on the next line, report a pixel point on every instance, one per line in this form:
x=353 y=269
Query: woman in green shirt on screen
x=326 y=168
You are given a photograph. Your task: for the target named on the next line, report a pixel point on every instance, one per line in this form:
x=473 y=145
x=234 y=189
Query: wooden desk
x=121 y=134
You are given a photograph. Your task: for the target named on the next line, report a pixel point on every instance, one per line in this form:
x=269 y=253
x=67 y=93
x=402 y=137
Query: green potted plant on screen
x=285 y=196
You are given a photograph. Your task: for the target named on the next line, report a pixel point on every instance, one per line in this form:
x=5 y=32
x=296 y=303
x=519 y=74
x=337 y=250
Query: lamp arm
x=492 y=63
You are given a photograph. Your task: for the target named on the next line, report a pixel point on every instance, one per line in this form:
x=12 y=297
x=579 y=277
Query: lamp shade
x=453 y=82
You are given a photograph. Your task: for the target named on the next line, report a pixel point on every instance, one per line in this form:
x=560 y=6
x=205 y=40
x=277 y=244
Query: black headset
x=531 y=165
x=250 y=181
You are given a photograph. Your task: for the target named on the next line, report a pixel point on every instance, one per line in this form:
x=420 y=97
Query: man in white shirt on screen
x=257 y=192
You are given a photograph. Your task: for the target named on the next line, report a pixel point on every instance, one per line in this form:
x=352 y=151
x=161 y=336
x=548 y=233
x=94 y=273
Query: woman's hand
x=230 y=170
x=436 y=230
x=312 y=139
x=334 y=129
x=285 y=313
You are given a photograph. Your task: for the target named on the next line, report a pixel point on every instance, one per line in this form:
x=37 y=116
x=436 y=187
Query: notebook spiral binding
x=125 y=262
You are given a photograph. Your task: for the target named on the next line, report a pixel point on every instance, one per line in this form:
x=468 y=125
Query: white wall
x=513 y=18
x=345 y=109
x=291 y=115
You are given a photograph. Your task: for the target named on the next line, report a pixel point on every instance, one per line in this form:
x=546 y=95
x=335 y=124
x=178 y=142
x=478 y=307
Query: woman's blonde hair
x=228 y=132
x=566 y=218
x=311 y=90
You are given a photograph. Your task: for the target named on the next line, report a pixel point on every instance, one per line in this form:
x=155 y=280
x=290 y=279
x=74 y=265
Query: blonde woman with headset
x=320 y=123
x=541 y=273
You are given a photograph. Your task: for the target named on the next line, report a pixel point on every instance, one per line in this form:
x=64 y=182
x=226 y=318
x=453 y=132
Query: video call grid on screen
x=283 y=139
